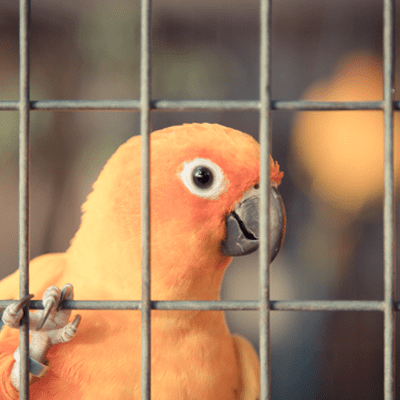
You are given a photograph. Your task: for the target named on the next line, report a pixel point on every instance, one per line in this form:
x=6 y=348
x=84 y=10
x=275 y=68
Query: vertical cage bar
x=145 y=97
x=265 y=135
x=389 y=204
x=23 y=201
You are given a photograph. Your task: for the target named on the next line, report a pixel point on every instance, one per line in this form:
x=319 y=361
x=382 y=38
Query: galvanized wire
x=231 y=305
x=389 y=227
x=195 y=105
x=145 y=96
x=23 y=190
x=265 y=150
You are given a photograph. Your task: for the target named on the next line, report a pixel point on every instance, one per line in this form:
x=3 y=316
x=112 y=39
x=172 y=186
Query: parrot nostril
x=257 y=186
x=246 y=233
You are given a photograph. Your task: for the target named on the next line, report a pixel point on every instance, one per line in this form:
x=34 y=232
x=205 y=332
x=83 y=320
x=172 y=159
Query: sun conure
x=204 y=191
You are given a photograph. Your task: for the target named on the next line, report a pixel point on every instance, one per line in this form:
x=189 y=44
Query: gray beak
x=242 y=225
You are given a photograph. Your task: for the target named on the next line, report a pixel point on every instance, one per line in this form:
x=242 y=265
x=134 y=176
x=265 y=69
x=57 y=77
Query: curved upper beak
x=243 y=229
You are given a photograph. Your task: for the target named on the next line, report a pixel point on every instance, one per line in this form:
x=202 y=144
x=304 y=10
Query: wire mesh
x=265 y=105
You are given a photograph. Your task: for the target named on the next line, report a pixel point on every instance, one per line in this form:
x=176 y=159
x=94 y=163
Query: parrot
x=204 y=210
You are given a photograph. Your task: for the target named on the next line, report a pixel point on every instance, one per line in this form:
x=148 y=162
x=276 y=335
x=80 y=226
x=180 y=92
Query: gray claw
x=23 y=302
x=76 y=321
x=45 y=315
x=64 y=294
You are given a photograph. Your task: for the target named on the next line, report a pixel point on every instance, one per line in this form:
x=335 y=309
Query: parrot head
x=204 y=203
x=213 y=172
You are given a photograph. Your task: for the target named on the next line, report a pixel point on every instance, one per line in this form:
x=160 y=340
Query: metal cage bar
x=145 y=95
x=265 y=146
x=23 y=190
x=145 y=105
x=276 y=305
x=195 y=105
x=389 y=242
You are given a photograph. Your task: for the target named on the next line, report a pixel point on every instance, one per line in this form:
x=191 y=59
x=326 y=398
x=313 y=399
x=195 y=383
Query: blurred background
x=333 y=161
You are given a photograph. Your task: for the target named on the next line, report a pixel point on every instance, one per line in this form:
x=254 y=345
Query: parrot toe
x=69 y=331
x=53 y=299
x=67 y=293
x=13 y=313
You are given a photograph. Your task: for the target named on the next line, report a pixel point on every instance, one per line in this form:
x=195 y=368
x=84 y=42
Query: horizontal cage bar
x=194 y=105
x=276 y=305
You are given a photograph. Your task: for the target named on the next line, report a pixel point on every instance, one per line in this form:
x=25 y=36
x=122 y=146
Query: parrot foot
x=46 y=328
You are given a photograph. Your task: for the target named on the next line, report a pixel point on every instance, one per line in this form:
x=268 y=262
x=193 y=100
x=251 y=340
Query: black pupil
x=202 y=177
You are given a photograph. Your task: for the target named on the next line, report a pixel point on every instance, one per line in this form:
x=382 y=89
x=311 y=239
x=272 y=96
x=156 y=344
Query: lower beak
x=243 y=229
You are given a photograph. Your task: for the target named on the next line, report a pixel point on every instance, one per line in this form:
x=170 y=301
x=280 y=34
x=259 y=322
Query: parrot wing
x=44 y=271
x=249 y=369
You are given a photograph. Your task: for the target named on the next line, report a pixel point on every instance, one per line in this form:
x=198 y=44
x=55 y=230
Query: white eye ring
x=219 y=182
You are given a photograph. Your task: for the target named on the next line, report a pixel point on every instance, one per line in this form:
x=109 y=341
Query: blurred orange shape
x=339 y=154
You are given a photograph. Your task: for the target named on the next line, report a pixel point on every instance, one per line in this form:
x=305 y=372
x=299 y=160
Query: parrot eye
x=203 y=178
